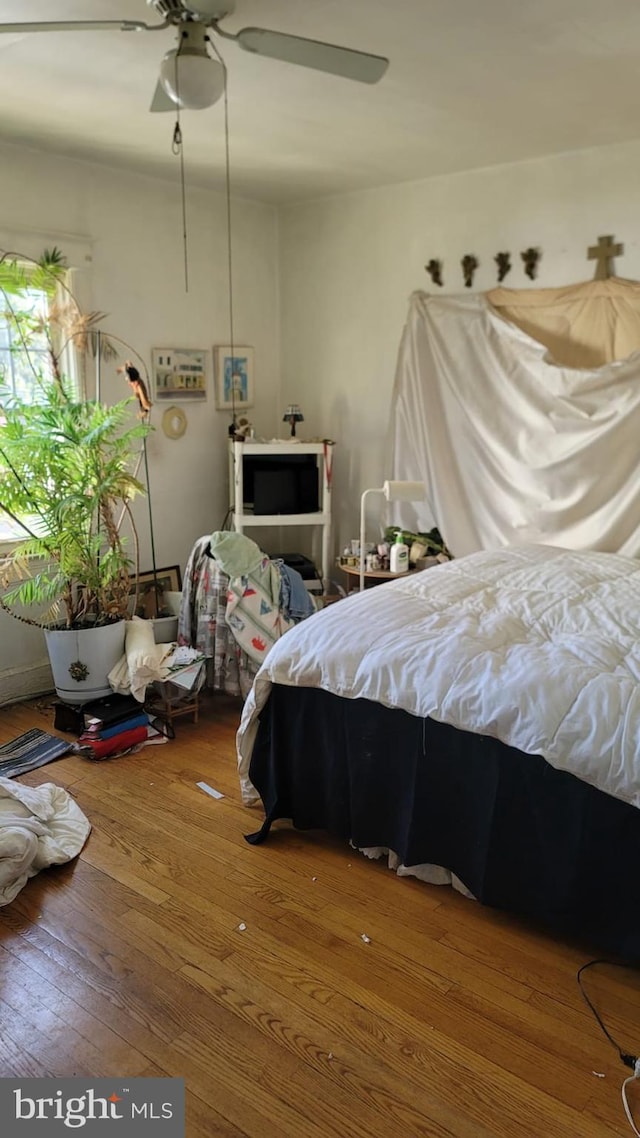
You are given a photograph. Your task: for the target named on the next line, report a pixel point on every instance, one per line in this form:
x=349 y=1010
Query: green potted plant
x=67 y=478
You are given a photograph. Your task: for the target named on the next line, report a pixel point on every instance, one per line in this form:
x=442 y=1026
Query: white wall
x=133 y=228
x=350 y=263
x=341 y=271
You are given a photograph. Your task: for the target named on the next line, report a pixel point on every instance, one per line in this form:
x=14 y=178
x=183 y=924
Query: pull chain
x=229 y=253
x=178 y=150
x=229 y=257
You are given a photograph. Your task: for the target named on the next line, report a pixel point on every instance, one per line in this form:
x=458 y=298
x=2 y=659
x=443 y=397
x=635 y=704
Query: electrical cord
x=629 y=1060
x=226 y=521
x=627 y=1109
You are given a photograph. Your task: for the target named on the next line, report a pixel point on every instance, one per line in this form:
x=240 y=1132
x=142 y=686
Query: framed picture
x=233 y=377
x=151 y=588
x=179 y=373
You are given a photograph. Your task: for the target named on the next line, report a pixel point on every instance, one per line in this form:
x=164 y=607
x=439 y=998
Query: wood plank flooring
x=453 y=1021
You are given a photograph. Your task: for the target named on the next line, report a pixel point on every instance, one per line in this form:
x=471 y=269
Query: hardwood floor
x=453 y=1021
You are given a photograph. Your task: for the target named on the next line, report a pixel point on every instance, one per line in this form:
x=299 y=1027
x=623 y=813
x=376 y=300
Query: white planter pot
x=81 y=660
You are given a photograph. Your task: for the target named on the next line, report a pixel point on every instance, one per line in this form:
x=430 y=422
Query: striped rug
x=31 y=750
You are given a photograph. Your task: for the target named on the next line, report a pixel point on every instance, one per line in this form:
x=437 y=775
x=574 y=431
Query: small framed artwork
x=179 y=373
x=151 y=588
x=233 y=377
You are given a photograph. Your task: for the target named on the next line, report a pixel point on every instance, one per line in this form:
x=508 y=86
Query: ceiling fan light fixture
x=191 y=78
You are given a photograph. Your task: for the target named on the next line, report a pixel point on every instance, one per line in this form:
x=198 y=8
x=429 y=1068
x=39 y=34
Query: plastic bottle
x=399 y=555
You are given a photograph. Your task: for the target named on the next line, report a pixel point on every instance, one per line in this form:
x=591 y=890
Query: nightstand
x=371 y=577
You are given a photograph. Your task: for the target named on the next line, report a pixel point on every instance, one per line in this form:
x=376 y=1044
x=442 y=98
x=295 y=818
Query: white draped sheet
x=39 y=826
x=512 y=447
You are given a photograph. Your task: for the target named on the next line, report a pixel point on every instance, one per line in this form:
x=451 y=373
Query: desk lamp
x=393 y=492
x=293 y=415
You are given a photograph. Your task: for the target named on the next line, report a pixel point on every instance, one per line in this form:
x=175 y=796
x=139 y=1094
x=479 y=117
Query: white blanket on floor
x=534 y=645
x=39 y=826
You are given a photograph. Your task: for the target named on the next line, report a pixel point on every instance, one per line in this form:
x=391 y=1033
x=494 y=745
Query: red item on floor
x=104 y=748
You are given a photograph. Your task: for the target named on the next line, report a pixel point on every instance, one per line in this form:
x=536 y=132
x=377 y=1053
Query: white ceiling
x=471 y=83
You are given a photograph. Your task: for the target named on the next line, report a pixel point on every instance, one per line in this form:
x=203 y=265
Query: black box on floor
x=68 y=718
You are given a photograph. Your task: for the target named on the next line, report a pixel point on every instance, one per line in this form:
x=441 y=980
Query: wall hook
x=531 y=258
x=503 y=261
x=434 y=269
x=469 y=265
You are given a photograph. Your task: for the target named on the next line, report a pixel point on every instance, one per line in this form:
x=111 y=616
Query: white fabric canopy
x=512 y=448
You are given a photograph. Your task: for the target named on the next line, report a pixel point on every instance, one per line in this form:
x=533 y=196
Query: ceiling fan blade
x=82 y=26
x=161 y=101
x=313 y=53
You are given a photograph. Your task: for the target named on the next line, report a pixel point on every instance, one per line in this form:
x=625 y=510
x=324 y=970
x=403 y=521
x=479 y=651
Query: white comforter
x=533 y=645
x=39 y=826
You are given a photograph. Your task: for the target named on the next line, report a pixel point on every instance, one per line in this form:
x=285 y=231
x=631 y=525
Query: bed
x=478 y=724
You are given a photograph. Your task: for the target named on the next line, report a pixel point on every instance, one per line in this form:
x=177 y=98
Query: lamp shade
x=191 y=78
x=293 y=412
x=403 y=491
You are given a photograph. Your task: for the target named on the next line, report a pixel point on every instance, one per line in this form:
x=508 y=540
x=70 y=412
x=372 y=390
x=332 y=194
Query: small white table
x=373 y=576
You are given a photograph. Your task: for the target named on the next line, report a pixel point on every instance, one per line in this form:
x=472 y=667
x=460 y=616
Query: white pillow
x=144 y=657
x=139 y=642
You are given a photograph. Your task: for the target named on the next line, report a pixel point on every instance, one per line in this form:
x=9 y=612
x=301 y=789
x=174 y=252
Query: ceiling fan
x=190 y=77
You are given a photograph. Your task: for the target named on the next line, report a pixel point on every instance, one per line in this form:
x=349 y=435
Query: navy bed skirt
x=519 y=834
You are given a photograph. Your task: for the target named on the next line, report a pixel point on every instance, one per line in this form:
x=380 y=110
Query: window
x=20 y=371
x=16 y=367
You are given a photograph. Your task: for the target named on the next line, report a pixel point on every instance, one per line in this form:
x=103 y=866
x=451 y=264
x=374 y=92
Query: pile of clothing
x=265 y=598
x=39 y=826
x=236 y=602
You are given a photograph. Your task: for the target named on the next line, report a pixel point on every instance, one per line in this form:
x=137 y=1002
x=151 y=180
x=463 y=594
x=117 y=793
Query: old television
x=280 y=483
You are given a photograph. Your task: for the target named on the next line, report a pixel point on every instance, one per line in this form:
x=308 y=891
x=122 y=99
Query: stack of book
x=112 y=726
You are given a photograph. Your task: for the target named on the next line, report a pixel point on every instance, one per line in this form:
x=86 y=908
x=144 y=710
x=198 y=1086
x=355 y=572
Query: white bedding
x=534 y=645
x=39 y=826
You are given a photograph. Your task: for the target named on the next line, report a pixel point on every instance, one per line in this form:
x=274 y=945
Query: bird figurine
x=137 y=385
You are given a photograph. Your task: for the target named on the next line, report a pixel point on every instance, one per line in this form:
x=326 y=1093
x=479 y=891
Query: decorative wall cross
x=469 y=265
x=503 y=261
x=434 y=269
x=531 y=256
x=604 y=252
